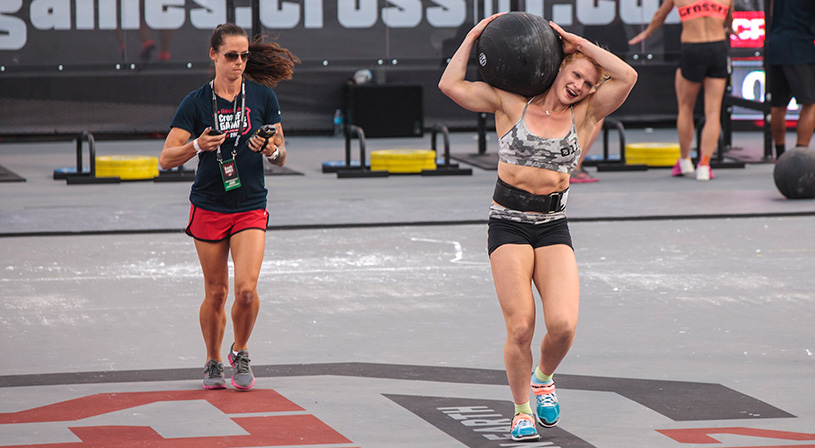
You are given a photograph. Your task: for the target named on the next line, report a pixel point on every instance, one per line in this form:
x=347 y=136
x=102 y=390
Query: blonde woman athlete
x=528 y=235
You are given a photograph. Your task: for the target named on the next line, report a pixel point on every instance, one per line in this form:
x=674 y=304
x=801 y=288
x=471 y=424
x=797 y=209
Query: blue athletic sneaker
x=548 y=409
x=523 y=428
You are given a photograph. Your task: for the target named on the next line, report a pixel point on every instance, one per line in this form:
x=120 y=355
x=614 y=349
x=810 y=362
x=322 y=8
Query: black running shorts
x=787 y=81
x=704 y=60
x=503 y=231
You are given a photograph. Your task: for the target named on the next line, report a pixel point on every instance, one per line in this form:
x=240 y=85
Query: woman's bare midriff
x=534 y=180
x=701 y=30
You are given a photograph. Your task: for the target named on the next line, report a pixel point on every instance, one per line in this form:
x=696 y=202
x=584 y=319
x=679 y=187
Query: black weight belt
x=521 y=200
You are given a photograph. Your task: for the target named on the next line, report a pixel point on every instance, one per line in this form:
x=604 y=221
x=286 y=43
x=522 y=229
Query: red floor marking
x=275 y=430
x=702 y=435
x=263 y=431
x=121 y=436
x=228 y=401
x=289 y=430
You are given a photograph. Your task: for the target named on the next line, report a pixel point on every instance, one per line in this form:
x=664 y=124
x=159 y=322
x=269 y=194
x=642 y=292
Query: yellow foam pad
x=403 y=160
x=127 y=167
x=652 y=154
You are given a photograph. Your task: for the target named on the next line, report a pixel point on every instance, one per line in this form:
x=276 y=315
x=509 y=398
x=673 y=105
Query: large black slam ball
x=519 y=52
x=794 y=173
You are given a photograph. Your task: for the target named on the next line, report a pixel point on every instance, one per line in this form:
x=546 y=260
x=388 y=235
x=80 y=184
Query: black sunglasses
x=233 y=56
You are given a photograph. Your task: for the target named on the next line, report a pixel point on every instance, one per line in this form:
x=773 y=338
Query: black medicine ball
x=794 y=173
x=519 y=52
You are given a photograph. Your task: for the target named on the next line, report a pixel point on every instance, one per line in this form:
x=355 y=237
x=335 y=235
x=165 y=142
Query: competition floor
x=379 y=325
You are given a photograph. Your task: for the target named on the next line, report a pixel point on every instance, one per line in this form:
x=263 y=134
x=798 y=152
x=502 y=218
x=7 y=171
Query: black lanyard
x=238 y=115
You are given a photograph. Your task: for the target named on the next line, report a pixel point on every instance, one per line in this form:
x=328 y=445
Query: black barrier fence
x=122 y=66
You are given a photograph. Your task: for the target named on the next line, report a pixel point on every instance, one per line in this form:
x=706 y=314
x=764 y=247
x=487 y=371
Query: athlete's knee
x=216 y=296
x=244 y=296
x=713 y=117
x=520 y=332
x=562 y=331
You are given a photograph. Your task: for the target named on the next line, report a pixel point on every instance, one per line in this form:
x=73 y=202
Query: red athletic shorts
x=206 y=225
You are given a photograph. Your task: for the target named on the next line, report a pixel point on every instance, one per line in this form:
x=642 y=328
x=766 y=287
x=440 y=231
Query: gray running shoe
x=214 y=375
x=242 y=377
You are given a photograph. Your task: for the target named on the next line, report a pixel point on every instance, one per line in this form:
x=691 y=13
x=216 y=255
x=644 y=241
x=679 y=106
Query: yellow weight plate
x=127 y=167
x=652 y=154
x=403 y=160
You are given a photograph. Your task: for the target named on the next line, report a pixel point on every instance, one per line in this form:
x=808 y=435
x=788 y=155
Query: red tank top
x=703 y=8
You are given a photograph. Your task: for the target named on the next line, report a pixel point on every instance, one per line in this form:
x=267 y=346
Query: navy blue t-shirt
x=195 y=114
x=791 y=40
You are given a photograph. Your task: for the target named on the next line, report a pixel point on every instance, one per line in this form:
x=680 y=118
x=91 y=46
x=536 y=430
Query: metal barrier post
x=482 y=133
x=446 y=134
x=768 y=138
x=618 y=165
x=362 y=170
x=347 y=134
x=447 y=168
x=79 y=153
x=90 y=177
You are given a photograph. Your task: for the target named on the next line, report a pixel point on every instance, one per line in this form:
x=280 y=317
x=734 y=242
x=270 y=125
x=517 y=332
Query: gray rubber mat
x=379 y=325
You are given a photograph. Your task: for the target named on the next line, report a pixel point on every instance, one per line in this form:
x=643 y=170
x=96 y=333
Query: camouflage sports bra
x=519 y=146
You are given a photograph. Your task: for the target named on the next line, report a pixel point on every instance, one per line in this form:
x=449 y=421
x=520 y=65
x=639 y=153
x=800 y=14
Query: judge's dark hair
x=268 y=62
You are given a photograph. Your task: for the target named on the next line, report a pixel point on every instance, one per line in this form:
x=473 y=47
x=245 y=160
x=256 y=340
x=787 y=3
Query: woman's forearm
x=614 y=67
x=456 y=69
x=657 y=21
